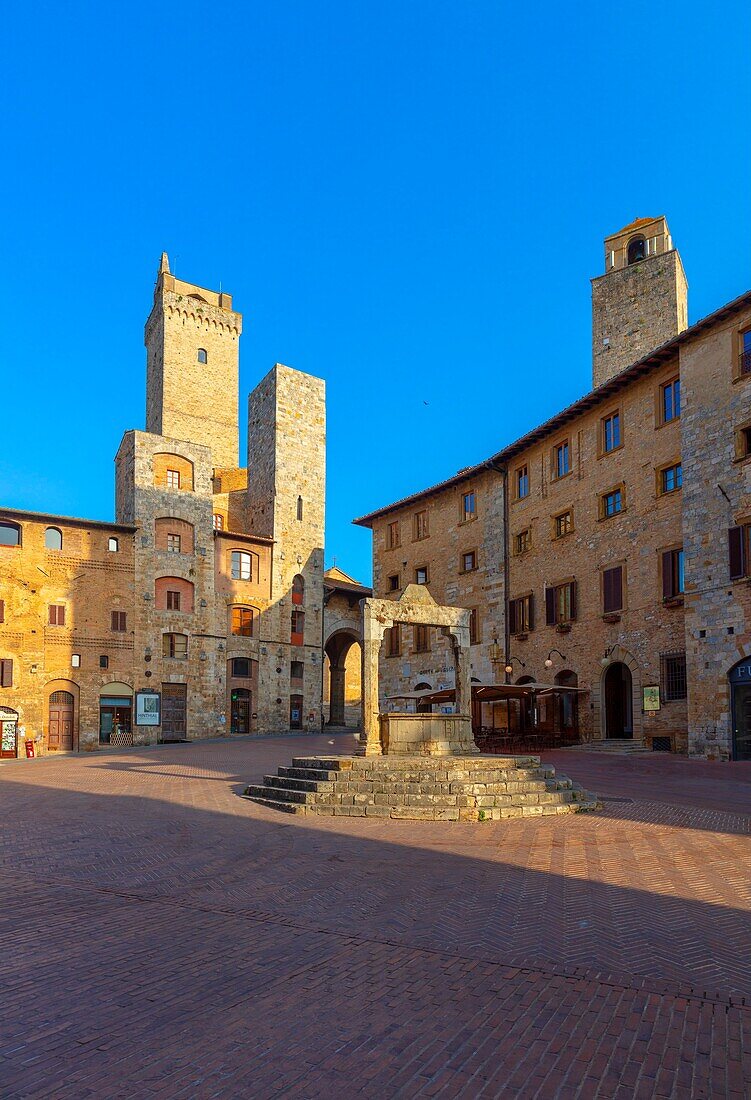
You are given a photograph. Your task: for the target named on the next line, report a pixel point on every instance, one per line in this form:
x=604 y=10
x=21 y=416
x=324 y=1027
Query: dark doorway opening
x=740 y=689
x=240 y=711
x=618 y=687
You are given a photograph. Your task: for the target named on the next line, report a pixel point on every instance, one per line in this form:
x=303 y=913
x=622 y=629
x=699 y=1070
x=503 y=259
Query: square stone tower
x=286 y=502
x=192 y=342
x=641 y=300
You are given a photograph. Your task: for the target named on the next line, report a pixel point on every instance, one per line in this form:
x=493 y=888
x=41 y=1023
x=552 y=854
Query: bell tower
x=192 y=342
x=641 y=300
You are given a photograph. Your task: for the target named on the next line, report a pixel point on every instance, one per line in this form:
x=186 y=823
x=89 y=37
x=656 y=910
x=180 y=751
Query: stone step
x=323 y=774
x=396 y=799
x=291 y=784
x=432 y=813
x=400 y=763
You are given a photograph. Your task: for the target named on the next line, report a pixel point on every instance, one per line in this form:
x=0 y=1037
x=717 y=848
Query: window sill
x=466 y=520
x=667 y=423
x=563 y=628
x=421 y=538
x=612 y=617
x=522 y=637
x=518 y=500
x=615 y=515
x=613 y=451
x=555 y=478
x=565 y=535
x=672 y=601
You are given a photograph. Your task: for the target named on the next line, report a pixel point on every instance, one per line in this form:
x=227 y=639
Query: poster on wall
x=651 y=698
x=148 y=708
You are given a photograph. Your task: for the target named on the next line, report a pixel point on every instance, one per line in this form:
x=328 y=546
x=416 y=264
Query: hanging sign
x=651 y=698
x=148 y=708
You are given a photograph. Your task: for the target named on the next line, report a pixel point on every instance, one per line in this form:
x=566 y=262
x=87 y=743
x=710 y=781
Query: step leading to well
x=448 y=788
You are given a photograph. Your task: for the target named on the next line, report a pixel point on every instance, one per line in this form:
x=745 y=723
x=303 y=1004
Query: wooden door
x=174 y=712
x=742 y=722
x=240 y=714
x=60 y=735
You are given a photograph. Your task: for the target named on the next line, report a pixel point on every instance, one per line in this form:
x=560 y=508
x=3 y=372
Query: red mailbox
x=29 y=750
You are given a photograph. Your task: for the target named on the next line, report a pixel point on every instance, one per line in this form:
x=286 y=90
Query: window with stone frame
x=217 y=521
x=420 y=527
x=670 y=400
x=672 y=573
x=521 y=482
x=175 y=646
x=739 y=551
x=560 y=603
x=174 y=543
x=394 y=582
x=612 y=590
x=421 y=574
x=173 y=479
x=241 y=565
x=392 y=535
x=421 y=638
x=523 y=541
x=56 y=614
x=610 y=432
x=561 y=459
x=119 y=621
x=611 y=503
x=469 y=561
x=521 y=614
x=297 y=627
x=468 y=506
x=242 y=621
x=670 y=478
x=563 y=524
x=394 y=640
x=6 y=673
x=173 y=600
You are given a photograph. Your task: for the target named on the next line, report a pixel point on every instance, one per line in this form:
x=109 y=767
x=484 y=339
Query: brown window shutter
x=667 y=574
x=572 y=586
x=735 y=548
x=512 y=616
x=113 y=620
x=51 y=616
x=617 y=588
x=2 y=611
x=6 y=674
x=550 y=606
x=531 y=612
x=607 y=591
x=61 y=616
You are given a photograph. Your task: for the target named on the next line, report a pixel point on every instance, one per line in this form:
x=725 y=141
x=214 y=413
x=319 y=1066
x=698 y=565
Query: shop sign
x=651 y=698
x=741 y=674
x=148 y=708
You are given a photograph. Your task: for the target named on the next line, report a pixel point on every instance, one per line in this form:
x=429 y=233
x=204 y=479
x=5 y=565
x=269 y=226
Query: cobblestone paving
x=161 y=936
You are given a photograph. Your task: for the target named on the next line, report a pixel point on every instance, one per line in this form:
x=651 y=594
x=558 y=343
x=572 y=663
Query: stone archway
x=344 y=678
x=633 y=681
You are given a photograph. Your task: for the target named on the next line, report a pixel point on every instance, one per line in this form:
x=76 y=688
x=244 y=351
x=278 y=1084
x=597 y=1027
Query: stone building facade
x=203 y=605
x=608 y=549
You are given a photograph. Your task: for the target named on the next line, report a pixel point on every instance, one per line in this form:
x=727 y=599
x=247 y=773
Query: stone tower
x=286 y=502
x=641 y=300
x=192 y=342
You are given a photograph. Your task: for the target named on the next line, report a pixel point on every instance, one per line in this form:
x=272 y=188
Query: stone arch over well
x=343 y=671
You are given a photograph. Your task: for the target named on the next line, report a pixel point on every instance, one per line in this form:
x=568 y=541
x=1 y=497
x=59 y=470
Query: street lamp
x=549 y=659
x=605 y=660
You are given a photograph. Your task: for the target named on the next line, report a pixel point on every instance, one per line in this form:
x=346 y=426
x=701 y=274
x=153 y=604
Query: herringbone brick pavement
x=160 y=936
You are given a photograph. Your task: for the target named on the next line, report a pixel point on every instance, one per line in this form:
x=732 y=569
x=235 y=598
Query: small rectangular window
x=173 y=479
x=671 y=478
x=522 y=482
x=392 y=535
x=611 y=432
x=469 y=561
x=175 y=645
x=672 y=573
x=394 y=582
x=296 y=670
x=745 y=352
x=113 y=545
x=611 y=503
x=612 y=590
x=671 y=400
x=563 y=524
x=421 y=525
x=242 y=622
x=75 y=660
x=297 y=627
x=673 y=680
x=739 y=542
x=173 y=600
x=422 y=639
x=56 y=614
x=218 y=521
x=6 y=673
x=394 y=641
x=241 y=565
x=241 y=668
x=523 y=541
x=118 y=621
x=474 y=626
x=104 y=661
x=174 y=543
x=520 y=615
x=561 y=460
x=421 y=575
x=468 y=506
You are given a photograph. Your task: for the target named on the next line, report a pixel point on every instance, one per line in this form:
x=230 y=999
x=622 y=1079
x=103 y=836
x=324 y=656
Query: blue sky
x=408 y=199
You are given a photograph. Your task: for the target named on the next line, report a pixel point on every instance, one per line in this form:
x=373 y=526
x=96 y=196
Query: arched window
x=298 y=589
x=173 y=594
x=202 y=356
x=175 y=645
x=175 y=536
x=299 y=507
x=113 y=545
x=636 y=250
x=218 y=521
x=10 y=534
x=53 y=538
x=242 y=621
x=242 y=568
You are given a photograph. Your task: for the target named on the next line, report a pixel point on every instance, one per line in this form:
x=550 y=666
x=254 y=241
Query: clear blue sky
x=408 y=199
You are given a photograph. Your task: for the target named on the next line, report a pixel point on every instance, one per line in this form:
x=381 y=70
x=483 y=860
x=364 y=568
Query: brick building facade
x=203 y=605
x=606 y=551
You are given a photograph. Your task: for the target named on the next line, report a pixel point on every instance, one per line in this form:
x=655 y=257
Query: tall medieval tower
x=192 y=341
x=641 y=300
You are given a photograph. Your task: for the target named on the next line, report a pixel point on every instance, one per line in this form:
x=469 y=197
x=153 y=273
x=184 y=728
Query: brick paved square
x=161 y=936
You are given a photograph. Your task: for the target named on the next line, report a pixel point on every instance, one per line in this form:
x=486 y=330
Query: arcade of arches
x=342 y=683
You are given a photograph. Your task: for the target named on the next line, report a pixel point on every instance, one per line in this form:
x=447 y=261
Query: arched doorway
x=740 y=699
x=60 y=726
x=422 y=707
x=618 y=694
x=8 y=733
x=567 y=710
x=343 y=653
